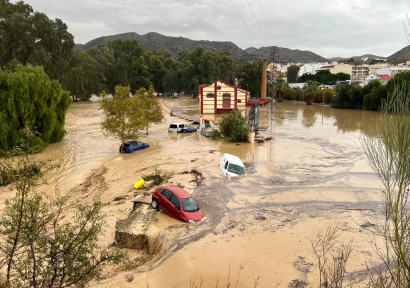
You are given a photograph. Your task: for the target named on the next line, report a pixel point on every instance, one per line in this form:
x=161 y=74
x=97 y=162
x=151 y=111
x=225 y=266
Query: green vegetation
x=280 y=86
x=293 y=72
x=250 y=77
x=29 y=98
x=31 y=37
x=293 y=94
x=310 y=91
x=371 y=96
x=324 y=77
x=234 y=127
x=151 y=108
x=126 y=117
x=53 y=252
x=156 y=176
x=388 y=155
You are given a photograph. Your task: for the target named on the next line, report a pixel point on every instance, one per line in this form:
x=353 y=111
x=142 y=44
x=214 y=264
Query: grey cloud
x=332 y=28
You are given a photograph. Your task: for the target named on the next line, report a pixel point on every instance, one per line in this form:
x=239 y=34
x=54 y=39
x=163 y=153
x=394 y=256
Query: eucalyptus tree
x=31 y=37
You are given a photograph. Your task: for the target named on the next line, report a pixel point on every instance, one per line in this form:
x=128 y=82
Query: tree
x=309 y=91
x=250 y=77
x=356 y=96
x=150 y=106
x=373 y=93
x=293 y=72
x=38 y=248
x=342 y=99
x=197 y=67
x=281 y=86
x=29 y=98
x=123 y=116
x=324 y=77
x=85 y=76
x=225 y=67
x=31 y=37
x=234 y=127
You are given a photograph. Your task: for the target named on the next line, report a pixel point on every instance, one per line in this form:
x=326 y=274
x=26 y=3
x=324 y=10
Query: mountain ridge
x=174 y=45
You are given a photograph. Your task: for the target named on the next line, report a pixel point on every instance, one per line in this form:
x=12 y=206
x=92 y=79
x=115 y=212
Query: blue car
x=188 y=129
x=131 y=146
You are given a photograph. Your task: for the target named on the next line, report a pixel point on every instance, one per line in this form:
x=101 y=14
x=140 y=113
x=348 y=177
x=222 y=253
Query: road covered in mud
x=259 y=226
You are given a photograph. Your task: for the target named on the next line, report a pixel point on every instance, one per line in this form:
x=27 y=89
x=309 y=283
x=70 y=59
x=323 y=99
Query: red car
x=177 y=203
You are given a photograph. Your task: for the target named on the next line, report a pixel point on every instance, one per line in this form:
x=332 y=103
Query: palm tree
x=309 y=91
x=281 y=86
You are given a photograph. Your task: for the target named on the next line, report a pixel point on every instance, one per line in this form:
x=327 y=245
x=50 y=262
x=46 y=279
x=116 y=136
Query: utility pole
x=273 y=52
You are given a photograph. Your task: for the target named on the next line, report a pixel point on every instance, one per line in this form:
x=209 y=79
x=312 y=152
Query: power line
x=258 y=23
x=246 y=24
x=267 y=23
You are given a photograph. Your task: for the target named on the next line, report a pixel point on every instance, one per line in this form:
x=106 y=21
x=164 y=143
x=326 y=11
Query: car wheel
x=154 y=204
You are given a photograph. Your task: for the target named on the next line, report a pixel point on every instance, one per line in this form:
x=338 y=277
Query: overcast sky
x=328 y=27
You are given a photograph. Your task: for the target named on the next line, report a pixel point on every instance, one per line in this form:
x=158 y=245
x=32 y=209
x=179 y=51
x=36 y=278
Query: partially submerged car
x=131 y=146
x=177 y=203
x=181 y=128
x=188 y=129
x=231 y=165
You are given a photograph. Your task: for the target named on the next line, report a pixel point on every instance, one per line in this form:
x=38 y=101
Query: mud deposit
x=258 y=226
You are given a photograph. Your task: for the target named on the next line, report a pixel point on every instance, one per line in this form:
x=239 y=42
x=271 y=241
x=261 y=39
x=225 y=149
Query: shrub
x=329 y=95
x=289 y=94
x=318 y=98
x=373 y=100
x=157 y=177
x=234 y=127
x=293 y=94
x=342 y=99
x=216 y=135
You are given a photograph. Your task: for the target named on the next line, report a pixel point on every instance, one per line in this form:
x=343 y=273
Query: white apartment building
x=311 y=68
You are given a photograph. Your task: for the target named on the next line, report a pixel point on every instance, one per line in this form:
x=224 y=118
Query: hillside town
x=360 y=74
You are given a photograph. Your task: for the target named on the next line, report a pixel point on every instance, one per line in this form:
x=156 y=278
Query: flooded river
x=311 y=174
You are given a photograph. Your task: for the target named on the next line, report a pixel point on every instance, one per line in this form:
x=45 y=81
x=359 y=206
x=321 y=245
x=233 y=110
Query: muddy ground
x=259 y=226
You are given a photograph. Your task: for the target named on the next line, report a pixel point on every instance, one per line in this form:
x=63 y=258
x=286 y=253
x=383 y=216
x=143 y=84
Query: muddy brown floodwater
x=313 y=173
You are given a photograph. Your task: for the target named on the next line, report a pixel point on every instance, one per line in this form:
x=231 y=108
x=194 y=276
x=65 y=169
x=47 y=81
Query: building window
x=239 y=101
x=226 y=96
x=210 y=95
x=218 y=88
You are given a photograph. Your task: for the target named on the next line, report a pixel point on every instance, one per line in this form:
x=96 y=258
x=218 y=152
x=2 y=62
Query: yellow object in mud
x=139 y=184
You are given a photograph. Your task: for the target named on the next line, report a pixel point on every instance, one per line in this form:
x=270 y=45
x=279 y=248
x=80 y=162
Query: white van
x=176 y=127
x=231 y=165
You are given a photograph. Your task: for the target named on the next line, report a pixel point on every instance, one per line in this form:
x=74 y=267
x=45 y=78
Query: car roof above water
x=181 y=193
x=233 y=159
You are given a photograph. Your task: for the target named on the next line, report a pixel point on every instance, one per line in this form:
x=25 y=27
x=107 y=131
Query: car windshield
x=239 y=170
x=189 y=205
